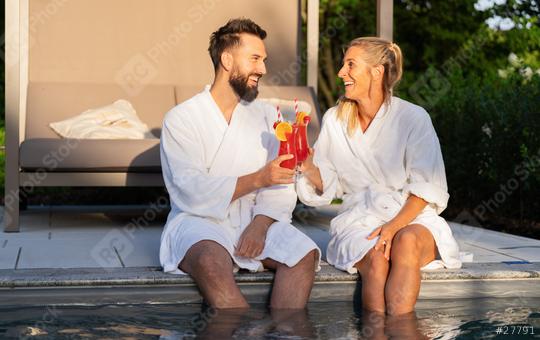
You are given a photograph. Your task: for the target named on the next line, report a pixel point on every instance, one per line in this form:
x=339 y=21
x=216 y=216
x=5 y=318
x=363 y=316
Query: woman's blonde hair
x=377 y=51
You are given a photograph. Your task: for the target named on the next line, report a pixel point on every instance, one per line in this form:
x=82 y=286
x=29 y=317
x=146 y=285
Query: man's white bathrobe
x=202 y=157
x=374 y=172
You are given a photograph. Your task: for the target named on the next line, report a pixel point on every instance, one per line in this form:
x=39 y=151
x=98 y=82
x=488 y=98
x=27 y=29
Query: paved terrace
x=78 y=255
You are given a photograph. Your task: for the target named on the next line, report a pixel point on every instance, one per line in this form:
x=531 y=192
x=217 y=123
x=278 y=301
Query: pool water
x=433 y=319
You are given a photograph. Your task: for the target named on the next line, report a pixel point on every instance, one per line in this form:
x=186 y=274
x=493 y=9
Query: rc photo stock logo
x=138 y=72
x=108 y=252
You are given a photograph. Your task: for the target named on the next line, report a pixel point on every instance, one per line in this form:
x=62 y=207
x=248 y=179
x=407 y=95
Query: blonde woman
x=382 y=156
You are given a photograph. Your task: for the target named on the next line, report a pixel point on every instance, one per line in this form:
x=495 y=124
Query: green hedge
x=489 y=129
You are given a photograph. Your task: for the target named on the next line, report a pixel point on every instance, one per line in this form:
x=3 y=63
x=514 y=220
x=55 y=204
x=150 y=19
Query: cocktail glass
x=302 y=145
x=289 y=147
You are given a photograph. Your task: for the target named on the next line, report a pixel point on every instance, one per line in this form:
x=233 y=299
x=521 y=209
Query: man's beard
x=240 y=85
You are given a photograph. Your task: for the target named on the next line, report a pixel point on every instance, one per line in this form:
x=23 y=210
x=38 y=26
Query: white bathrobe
x=374 y=172
x=202 y=157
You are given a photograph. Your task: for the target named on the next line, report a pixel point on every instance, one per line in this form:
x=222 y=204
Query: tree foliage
x=429 y=33
x=475 y=66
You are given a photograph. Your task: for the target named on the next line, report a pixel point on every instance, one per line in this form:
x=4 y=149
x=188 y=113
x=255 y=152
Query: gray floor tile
x=69 y=254
x=8 y=256
x=481 y=255
x=25 y=236
x=511 y=245
x=141 y=252
x=81 y=240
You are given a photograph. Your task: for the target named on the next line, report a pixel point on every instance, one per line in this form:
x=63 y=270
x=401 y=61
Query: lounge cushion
x=49 y=102
x=90 y=155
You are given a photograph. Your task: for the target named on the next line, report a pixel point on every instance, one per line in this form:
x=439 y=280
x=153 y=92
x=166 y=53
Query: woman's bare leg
x=373 y=269
x=412 y=248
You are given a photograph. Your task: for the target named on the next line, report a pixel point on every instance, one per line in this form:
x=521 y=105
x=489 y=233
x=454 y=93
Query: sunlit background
x=474 y=65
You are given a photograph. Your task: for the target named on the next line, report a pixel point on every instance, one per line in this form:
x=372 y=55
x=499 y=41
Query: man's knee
x=308 y=261
x=311 y=257
x=206 y=256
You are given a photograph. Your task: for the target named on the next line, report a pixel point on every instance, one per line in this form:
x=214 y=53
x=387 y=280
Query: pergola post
x=12 y=95
x=312 y=43
x=385 y=19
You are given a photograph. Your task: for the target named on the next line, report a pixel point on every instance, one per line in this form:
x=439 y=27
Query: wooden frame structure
x=16 y=83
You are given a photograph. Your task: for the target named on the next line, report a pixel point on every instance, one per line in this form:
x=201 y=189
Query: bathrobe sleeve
x=189 y=185
x=331 y=186
x=424 y=164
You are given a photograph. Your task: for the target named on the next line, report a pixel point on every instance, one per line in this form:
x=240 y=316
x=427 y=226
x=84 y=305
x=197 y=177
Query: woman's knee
x=374 y=264
x=405 y=246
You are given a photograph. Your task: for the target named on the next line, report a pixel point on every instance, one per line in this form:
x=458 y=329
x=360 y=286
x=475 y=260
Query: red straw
x=296 y=107
x=278 y=114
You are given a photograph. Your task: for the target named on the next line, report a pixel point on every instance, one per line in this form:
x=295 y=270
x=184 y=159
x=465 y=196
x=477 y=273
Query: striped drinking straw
x=278 y=114
x=296 y=107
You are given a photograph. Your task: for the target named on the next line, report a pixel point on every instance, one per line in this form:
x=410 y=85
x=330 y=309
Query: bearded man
x=231 y=202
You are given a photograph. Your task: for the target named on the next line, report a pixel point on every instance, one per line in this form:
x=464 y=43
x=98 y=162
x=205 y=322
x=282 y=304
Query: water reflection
x=378 y=326
x=257 y=323
x=442 y=319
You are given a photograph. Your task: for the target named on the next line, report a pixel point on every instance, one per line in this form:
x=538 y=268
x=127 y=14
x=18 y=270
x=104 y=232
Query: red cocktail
x=302 y=145
x=289 y=147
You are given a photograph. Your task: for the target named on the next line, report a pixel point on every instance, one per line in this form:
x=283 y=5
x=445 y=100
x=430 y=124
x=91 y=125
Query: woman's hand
x=307 y=165
x=386 y=234
x=412 y=208
x=312 y=173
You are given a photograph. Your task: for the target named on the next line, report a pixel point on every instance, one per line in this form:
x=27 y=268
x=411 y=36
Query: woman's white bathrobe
x=202 y=157
x=374 y=172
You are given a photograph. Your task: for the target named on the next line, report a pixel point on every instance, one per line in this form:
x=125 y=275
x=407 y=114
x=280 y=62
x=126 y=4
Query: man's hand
x=269 y=175
x=252 y=240
x=273 y=173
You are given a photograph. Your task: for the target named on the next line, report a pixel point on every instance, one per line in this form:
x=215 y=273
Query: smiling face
x=360 y=78
x=248 y=66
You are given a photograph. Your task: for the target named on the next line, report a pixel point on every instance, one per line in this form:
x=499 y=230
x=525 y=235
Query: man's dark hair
x=229 y=35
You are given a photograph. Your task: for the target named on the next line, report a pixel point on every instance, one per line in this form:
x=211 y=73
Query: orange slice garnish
x=300 y=117
x=282 y=129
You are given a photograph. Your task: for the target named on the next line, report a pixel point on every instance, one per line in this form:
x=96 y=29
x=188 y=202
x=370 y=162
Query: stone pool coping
x=43 y=277
x=150 y=285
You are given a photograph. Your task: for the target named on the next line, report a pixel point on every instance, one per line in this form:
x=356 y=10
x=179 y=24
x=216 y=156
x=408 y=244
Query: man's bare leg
x=222 y=324
x=211 y=266
x=293 y=322
x=412 y=248
x=292 y=285
x=373 y=268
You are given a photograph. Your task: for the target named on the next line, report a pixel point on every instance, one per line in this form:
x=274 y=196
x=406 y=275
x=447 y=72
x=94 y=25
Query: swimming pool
x=485 y=318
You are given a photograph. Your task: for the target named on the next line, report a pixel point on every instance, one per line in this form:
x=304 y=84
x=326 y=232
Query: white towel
x=115 y=121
